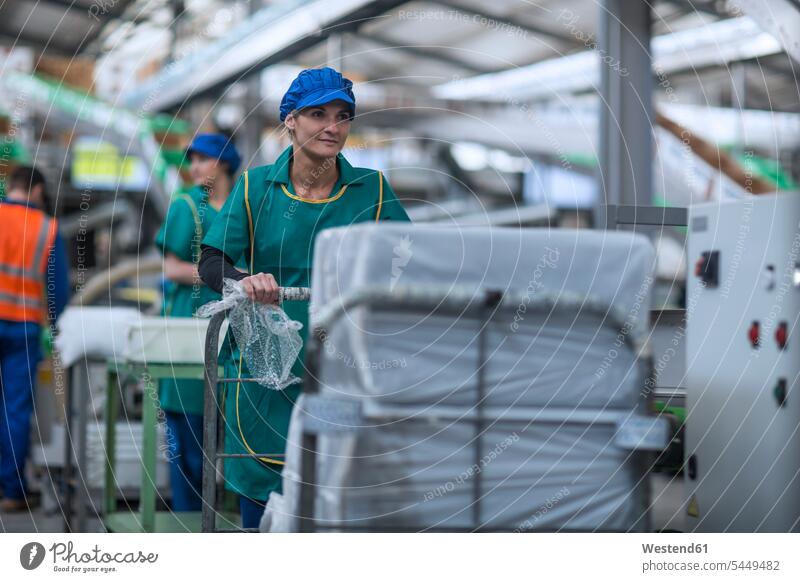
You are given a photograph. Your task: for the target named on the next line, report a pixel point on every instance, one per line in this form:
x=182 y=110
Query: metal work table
x=146 y=519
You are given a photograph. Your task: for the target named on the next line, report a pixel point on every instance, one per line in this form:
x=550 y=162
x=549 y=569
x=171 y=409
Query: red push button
x=782 y=335
x=707 y=268
x=699 y=267
x=754 y=333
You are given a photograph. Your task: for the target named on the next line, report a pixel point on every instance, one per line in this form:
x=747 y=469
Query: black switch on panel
x=707 y=268
x=780 y=392
x=692 y=467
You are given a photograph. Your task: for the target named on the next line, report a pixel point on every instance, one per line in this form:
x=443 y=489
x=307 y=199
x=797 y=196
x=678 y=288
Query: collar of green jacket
x=279 y=171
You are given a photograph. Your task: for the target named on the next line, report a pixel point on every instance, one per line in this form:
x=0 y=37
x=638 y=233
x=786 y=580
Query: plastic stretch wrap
x=99 y=332
x=537 y=447
x=267 y=337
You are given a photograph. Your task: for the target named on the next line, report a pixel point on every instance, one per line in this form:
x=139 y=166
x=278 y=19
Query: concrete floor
x=666 y=498
x=38 y=521
x=46 y=517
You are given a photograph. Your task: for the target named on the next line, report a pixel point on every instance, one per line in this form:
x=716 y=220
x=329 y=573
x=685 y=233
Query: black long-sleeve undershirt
x=215 y=266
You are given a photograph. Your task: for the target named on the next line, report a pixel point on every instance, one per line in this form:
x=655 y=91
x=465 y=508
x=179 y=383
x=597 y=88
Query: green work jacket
x=284 y=228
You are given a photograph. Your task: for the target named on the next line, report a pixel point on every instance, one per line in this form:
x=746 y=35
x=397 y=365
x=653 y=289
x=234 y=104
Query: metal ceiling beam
x=272 y=35
x=513 y=216
x=713 y=44
x=696 y=6
x=563 y=129
x=536 y=30
x=96 y=26
x=781 y=18
x=115 y=11
x=559 y=130
x=15 y=40
x=675 y=12
x=424 y=52
x=773 y=65
x=27 y=39
x=67 y=4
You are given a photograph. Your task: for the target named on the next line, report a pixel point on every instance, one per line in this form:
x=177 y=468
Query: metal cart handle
x=295 y=293
x=211 y=407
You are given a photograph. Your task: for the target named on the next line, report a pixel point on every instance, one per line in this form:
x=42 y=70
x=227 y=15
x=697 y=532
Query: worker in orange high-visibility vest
x=34 y=289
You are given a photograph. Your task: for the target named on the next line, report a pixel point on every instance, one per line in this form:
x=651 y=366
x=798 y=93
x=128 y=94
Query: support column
x=626 y=109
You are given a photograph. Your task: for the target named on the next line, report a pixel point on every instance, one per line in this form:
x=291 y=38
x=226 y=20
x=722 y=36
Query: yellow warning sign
x=692 y=509
x=96 y=164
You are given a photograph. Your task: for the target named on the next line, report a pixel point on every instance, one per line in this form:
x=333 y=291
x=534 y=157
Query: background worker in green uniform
x=281 y=208
x=214 y=161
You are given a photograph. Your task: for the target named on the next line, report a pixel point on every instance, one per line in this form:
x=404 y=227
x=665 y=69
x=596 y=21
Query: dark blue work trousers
x=20 y=353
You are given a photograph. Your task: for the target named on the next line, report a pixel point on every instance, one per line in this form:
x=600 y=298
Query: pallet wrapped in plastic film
x=473 y=379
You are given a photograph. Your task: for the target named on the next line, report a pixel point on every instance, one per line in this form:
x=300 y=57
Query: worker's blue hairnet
x=317 y=87
x=216 y=145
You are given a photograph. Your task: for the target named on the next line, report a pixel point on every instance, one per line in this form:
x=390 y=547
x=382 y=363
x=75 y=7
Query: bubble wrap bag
x=268 y=339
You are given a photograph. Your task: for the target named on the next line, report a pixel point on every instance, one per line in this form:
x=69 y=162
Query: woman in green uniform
x=281 y=208
x=214 y=160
